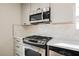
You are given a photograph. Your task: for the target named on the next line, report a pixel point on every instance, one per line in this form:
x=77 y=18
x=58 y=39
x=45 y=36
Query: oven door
x=31 y=50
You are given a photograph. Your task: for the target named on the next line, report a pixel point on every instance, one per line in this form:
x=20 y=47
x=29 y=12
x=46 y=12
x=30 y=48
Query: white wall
x=9 y=14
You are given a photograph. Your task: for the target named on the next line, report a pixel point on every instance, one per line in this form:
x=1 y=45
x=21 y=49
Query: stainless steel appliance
x=36 y=45
x=38 y=17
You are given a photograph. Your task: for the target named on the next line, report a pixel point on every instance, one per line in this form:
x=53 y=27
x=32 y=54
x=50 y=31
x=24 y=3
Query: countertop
x=66 y=44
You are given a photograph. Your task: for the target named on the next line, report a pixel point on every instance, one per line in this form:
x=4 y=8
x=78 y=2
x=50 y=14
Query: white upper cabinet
x=25 y=13
x=62 y=12
x=38 y=6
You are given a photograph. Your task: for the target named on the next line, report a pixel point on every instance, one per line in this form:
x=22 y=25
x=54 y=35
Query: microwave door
x=36 y=17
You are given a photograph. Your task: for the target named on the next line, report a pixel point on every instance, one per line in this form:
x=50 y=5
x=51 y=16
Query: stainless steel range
x=35 y=39
x=36 y=45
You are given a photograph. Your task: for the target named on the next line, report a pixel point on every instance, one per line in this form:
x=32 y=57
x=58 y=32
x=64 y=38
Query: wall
x=9 y=14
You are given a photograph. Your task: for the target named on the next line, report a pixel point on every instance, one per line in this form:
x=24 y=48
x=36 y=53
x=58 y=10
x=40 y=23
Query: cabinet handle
x=17 y=54
x=17 y=41
x=17 y=46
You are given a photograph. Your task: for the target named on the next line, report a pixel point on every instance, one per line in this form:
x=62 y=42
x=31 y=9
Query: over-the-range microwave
x=41 y=17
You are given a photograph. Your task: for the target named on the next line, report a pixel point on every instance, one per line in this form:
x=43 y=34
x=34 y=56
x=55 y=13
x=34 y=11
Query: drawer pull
x=17 y=46
x=17 y=54
x=17 y=41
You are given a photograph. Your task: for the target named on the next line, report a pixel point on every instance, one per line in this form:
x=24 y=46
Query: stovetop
x=37 y=39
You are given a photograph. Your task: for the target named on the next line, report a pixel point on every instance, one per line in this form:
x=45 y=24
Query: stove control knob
x=42 y=42
x=39 y=41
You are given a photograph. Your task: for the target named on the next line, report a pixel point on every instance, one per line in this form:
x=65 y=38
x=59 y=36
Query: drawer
x=19 y=53
x=19 y=41
x=19 y=48
x=18 y=44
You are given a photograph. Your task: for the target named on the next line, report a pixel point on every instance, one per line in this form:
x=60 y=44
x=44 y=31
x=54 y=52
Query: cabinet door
x=25 y=13
x=62 y=12
x=36 y=6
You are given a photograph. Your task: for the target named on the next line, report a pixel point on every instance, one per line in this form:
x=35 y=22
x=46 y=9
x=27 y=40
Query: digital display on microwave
x=36 y=17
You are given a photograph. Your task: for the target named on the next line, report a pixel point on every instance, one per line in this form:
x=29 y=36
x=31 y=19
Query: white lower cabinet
x=19 y=48
x=62 y=12
x=18 y=53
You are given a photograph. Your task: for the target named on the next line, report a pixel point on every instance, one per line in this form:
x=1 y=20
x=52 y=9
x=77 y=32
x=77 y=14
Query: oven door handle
x=34 y=43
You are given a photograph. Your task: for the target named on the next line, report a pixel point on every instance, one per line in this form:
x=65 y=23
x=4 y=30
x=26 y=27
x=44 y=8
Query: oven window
x=36 y=17
x=30 y=52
